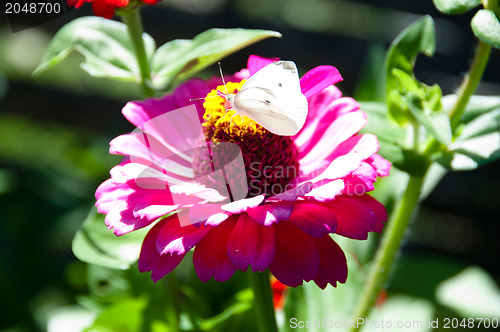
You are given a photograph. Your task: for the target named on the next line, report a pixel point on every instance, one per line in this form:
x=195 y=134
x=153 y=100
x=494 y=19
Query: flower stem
x=391 y=241
x=470 y=83
x=132 y=19
x=263 y=299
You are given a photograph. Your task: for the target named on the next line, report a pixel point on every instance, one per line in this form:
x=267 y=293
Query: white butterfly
x=272 y=97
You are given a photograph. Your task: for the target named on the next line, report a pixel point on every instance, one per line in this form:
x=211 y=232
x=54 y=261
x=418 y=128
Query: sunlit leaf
x=72 y=318
x=402 y=54
x=478 y=141
x=105 y=44
x=455 y=6
x=180 y=59
x=95 y=244
x=123 y=316
x=471 y=293
x=436 y=123
x=486 y=27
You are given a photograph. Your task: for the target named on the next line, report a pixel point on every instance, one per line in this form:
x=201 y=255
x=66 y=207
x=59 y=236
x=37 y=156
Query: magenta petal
x=256 y=63
x=377 y=208
x=354 y=219
x=381 y=165
x=251 y=244
x=210 y=257
x=292 y=194
x=151 y=260
x=333 y=264
x=269 y=214
x=242 y=205
x=296 y=258
x=361 y=180
x=328 y=191
x=118 y=201
x=313 y=218
x=176 y=239
x=211 y=214
x=319 y=78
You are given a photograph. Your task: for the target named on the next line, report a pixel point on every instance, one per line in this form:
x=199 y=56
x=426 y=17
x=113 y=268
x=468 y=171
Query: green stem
x=470 y=83
x=132 y=19
x=391 y=241
x=472 y=79
x=263 y=299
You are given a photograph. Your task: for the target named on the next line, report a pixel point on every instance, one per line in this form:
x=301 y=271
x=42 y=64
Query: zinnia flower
x=106 y=8
x=298 y=189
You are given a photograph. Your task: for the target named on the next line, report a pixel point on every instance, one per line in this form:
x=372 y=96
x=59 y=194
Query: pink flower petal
x=153 y=212
x=256 y=63
x=381 y=165
x=151 y=260
x=251 y=244
x=292 y=194
x=327 y=108
x=327 y=191
x=210 y=257
x=269 y=214
x=243 y=204
x=377 y=208
x=314 y=219
x=327 y=141
x=319 y=78
x=354 y=219
x=174 y=238
x=296 y=259
x=211 y=214
x=333 y=264
x=118 y=201
x=361 y=180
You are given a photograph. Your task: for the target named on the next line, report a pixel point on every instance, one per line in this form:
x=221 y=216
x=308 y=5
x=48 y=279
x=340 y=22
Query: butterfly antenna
x=193 y=99
x=222 y=76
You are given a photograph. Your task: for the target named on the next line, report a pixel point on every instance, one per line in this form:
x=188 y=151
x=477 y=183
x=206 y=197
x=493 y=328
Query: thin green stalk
x=263 y=300
x=470 y=83
x=391 y=242
x=132 y=19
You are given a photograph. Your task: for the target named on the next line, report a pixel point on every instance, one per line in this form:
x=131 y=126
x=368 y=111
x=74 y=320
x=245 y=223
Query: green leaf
x=124 y=316
x=455 y=6
x=486 y=27
x=402 y=54
x=471 y=293
x=436 y=123
x=105 y=44
x=390 y=136
x=478 y=141
x=180 y=59
x=95 y=244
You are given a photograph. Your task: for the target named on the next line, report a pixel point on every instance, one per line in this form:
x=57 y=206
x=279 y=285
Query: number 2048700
x=32 y=8
x=453 y=323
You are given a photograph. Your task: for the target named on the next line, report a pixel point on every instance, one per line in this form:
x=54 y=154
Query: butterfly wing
x=273 y=98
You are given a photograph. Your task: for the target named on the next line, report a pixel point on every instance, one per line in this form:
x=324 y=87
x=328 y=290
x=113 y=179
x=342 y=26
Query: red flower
x=106 y=8
x=279 y=293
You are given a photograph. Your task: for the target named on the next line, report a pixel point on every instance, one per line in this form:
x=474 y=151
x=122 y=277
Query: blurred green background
x=55 y=130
